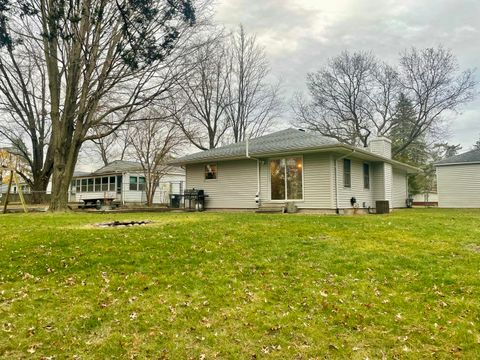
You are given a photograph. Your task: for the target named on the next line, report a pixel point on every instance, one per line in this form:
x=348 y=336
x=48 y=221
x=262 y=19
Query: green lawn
x=213 y=285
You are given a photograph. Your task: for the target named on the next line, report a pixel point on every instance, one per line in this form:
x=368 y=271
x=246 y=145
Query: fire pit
x=123 y=224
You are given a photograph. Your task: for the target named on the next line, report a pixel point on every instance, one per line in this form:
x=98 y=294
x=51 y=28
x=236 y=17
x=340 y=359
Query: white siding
x=236 y=185
x=318 y=169
x=357 y=189
x=378 y=182
x=234 y=188
x=399 y=189
x=458 y=186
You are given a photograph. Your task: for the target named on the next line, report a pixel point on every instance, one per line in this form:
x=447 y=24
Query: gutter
x=318 y=149
x=337 y=210
x=457 y=163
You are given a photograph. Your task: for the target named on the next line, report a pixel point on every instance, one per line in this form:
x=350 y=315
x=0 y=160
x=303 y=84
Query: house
x=124 y=182
x=312 y=171
x=458 y=181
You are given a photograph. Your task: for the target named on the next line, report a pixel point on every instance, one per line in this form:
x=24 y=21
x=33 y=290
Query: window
x=133 y=183
x=78 y=184
x=104 y=183
x=347 y=173
x=210 y=171
x=141 y=183
x=137 y=183
x=119 y=184
x=286 y=177
x=277 y=176
x=366 y=176
x=90 y=185
x=98 y=185
x=112 y=183
x=84 y=185
x=73 y=187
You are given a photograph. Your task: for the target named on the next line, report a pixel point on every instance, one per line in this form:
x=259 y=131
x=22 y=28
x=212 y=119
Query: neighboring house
x=458 y=181
x=124 y=181
x=310 y=170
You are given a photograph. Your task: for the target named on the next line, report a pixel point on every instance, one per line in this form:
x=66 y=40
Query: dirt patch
x=473 y=247
x=115 y=224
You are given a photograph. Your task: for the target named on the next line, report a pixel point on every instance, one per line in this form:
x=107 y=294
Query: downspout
x=337 y=210
x=124 y=175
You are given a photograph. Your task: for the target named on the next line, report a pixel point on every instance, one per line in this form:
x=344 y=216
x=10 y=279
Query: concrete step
x=271 y=208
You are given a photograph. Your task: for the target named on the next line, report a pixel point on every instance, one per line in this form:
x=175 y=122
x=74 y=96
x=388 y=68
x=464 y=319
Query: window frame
x=205 y=178
x=285 y=158
x=347 y=174
x=135 y=183
x=84 y=185
x=366 y=176
x=111 y=185
x=97 y=184
x=142 y=186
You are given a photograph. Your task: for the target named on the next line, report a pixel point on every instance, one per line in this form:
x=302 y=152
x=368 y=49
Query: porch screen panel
x=294 y=179
x=104 y=183
x=119 y=184
x=90 y=185
x=84 y=185
x=98 y=185
x=277 y=176
x=112 y=183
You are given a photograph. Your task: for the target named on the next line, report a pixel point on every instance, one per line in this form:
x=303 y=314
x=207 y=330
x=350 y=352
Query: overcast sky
x=300 y=35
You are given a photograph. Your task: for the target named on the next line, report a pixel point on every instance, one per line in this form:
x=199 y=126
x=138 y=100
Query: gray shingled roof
x=465 y=158
x=119 y=166
x=278 y=142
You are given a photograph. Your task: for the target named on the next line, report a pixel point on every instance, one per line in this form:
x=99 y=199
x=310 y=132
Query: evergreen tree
x=417 y=153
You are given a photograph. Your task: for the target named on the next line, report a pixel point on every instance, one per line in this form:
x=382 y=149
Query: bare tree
x=154 y=141
x=340 y=106
x=111 y=147
x=200 y=105
x=476 y=146
x=24 y=118
x=355 y=96
x=432 y=80
x=102 y=58
x=252 y=104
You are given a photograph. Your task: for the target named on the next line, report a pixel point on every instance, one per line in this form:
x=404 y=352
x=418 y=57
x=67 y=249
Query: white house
x=294 y=166
x=458 y=181
x=124 y=182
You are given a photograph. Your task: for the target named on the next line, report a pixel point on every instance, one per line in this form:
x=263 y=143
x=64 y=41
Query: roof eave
x=457 y=163
x=324 y=148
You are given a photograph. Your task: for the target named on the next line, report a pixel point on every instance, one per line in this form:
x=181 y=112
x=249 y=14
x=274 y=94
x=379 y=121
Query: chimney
x=381 y=146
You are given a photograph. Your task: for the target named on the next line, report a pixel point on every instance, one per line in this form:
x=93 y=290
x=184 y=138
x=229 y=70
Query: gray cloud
x=300 y=35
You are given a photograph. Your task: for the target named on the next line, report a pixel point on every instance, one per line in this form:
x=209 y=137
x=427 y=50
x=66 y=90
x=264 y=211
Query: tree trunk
x=39 y=190
x=65 y=159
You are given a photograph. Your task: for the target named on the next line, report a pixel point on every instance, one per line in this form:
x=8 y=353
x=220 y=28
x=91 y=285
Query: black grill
x=193 y=199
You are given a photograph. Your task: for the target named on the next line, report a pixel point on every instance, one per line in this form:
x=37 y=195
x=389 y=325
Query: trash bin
x=175 y=201
x=409 y=202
